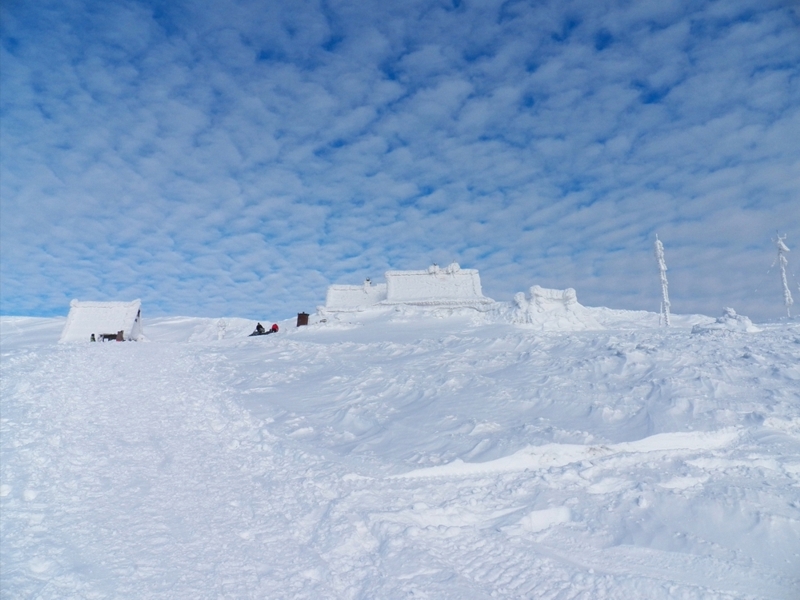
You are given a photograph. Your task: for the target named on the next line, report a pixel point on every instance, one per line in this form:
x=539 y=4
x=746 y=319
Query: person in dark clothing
x=260 y=329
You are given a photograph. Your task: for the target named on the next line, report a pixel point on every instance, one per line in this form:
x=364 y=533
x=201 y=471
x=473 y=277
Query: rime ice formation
x=87 y=319
x=787 y=294
x=552 y=310
x=729 y=321
x=662 y=267
x=451 y=287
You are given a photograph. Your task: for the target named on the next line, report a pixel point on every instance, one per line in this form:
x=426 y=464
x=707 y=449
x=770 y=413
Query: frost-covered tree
x=787 y=294
x=662 y=266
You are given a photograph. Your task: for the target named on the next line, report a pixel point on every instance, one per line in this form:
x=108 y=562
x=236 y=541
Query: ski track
x=473 y=465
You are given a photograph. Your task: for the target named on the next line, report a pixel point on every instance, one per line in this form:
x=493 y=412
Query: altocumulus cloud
x=234 y=158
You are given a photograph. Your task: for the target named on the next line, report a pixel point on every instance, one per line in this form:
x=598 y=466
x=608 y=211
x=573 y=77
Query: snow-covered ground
x=402 y=453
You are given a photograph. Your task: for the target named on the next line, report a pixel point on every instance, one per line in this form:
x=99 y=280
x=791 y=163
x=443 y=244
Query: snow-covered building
x=99 y=321
x=354 y=297
x=552 y=310
x=451 y=286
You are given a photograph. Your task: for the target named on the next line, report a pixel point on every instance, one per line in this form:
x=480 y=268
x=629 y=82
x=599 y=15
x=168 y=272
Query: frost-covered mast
x=782 y=250
x=662 y=266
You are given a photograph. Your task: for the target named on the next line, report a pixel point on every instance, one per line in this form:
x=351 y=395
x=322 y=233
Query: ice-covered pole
x=662 y=266
x=787 y=294
x=221 y=325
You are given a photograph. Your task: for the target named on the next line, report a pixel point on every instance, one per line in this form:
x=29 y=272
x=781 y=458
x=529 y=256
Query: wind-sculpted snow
x=401 y=454
x=559 y=455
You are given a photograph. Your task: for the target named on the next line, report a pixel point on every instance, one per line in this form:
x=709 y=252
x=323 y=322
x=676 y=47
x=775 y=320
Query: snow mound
x=552 y=310
x=729 y=321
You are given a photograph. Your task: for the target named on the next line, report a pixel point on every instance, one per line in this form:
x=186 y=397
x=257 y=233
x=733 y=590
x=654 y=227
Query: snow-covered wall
x=102 y=318
x=452 y=285
x=352 y=297
x=552 y=310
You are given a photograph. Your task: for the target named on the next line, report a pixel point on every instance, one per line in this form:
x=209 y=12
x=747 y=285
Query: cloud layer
x=235 y=158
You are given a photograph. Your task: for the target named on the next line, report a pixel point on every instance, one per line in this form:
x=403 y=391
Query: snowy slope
x=402 y=453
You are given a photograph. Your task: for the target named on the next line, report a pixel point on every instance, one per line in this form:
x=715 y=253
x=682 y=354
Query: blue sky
x=235 y=158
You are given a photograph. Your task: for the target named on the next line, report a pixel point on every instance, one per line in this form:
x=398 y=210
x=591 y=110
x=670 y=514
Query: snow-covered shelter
x=99 y=321
x=552 y=310
x=451 y=286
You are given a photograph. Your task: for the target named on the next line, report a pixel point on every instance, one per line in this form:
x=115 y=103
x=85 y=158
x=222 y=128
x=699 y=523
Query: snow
x=87 y=319
x=403 y=452
x=729 y=321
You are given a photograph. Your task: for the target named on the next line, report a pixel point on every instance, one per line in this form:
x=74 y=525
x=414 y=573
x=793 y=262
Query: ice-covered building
x=552 y=310
x=354 y=297
x=101 y=321
x=451 y=286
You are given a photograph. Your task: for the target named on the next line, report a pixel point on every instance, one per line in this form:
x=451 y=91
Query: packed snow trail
x=139 y=479
x=367 y=460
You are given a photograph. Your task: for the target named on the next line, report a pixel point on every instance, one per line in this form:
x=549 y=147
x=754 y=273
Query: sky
x=234 y=158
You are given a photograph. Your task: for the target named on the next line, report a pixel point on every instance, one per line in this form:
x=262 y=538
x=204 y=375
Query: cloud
x=234 y=158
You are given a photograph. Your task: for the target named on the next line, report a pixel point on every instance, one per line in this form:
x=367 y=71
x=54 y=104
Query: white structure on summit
x=100 y=321
x=354 y=297
x=451 y=286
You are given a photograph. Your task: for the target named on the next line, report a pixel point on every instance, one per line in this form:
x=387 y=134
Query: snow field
x=401 y=454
